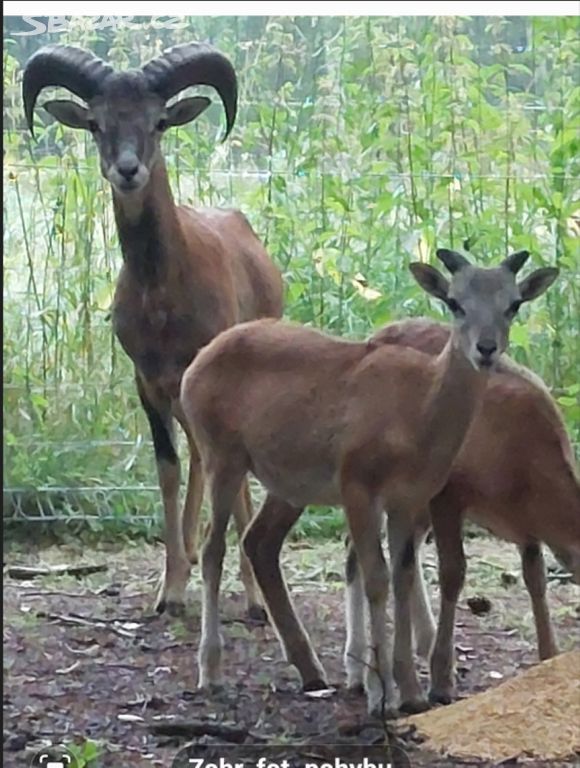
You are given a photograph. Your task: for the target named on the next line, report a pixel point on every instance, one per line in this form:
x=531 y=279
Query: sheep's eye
x=456 y=308
x=162 y=125
x=93 y=126
x=512 y=310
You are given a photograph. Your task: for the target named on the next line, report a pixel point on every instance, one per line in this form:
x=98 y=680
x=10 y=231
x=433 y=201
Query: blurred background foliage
x=361 y=144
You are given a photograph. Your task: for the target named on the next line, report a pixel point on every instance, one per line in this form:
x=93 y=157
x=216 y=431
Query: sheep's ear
x=68 y=113
x=430 y=280
x=515 y=261
x=453 y=261
x=186 y=110
x=535 y=284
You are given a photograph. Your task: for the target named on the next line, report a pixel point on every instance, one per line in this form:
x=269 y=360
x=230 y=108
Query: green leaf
x=567 y=402
x=519 y=337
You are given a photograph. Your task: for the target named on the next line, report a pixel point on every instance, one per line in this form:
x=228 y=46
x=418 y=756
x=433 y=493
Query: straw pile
x=536 y=715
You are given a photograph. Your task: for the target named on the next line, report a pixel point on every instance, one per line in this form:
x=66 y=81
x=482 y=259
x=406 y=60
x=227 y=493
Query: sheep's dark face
x=127 y=121
x=128 y=111
x=484 y=302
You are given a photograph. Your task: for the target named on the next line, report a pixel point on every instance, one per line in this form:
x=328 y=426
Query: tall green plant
x=361 y=144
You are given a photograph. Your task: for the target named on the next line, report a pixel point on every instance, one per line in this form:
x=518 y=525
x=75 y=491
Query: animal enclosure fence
x=360 y=144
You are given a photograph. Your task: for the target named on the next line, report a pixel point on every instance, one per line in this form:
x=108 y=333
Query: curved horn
x=453 y=261
x=80 y=71
x=195 y=64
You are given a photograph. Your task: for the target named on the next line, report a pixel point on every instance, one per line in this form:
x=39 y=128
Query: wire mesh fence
x=361 y=143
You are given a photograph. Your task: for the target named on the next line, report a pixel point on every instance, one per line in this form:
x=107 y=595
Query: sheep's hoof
x=437 y=697
x=383 y=713
x=414 y=706
x=172 y=608
x=315 y=685
x=212 y=689
x=257 y=613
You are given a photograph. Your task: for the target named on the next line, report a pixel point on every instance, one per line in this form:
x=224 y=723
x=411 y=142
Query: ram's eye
x=455 y=307
x=93 y=126
x=162 y=125
x=512 y=310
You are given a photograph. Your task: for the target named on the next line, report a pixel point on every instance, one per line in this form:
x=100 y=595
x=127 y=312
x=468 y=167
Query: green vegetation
x=361 y=144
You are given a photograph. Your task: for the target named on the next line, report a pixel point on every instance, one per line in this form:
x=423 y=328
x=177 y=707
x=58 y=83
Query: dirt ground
x=87 y=663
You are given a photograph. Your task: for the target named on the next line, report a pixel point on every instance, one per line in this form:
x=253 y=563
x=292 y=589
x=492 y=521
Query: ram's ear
x=68 y=113
x=186 y=110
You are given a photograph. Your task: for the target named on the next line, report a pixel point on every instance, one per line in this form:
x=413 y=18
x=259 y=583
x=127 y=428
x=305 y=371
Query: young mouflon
x=374 y=428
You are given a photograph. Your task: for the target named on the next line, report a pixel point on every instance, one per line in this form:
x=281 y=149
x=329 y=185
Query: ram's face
x=126 y=123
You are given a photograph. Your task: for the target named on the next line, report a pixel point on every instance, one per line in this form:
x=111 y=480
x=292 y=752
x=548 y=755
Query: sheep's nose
x=128 y=167
x=486 y=348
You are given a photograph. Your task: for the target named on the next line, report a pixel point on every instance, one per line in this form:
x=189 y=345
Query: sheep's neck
x=454 y=399
x=149 y=231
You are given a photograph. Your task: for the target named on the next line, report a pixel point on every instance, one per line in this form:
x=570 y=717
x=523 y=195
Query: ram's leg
x=171 y=595
x=225 y=485
x=262 y=542
x=193 y=502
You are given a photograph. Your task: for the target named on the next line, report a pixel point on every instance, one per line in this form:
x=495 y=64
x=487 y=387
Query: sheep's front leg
x=404 y=562
x=424 y=626
x=422 y=616
x=447 y=524
x=355 y=603
x=364 y=514
x=171 y=595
